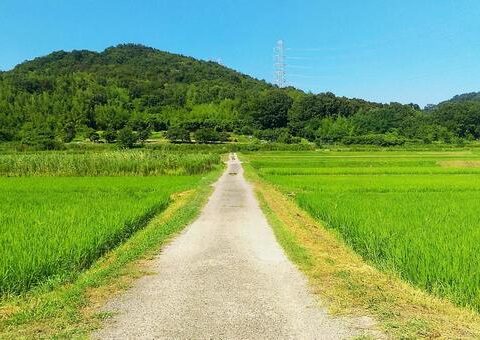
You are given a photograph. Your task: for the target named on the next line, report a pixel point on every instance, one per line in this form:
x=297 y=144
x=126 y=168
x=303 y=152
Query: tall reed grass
x=107 y=163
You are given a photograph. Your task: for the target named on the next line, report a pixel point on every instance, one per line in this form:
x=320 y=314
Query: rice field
x=413 y=213
x=56 y=221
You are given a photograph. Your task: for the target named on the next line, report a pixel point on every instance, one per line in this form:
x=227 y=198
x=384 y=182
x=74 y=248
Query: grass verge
x=350 y=286
x=71 y=310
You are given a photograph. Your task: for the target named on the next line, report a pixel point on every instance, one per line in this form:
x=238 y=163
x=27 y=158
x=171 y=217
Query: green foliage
x=144 y=133
x=334 y=130
x=270 y=110
x=39 y=137
x=281 y=135
x=93 y=136
x=110 y=136
x=206 y=135
x=178 y=134
x=389 y=139
x=127 y=138
x=461 y=118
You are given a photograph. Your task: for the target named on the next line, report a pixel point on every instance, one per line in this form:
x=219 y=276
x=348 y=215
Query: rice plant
x=54 y=223
x=51 y=228
x=402 y=211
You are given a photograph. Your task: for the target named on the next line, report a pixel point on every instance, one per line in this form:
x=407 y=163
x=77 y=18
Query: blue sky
x=421 y=51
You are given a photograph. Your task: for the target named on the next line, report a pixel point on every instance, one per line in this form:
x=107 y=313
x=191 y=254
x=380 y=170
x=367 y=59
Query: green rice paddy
x=414 y=213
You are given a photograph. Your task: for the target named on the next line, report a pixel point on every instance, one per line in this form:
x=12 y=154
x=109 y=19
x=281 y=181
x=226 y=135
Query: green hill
x=54 y=99
x=127 y=83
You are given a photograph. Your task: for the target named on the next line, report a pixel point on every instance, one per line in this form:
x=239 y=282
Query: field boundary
x=347 y=285
x=72 y=310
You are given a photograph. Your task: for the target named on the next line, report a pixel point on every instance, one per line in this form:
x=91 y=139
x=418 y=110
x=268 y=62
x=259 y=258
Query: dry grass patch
x=459 y=164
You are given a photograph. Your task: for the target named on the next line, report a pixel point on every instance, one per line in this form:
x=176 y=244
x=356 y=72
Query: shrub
x=206 y=135
x=178 y=134
x=110 y=136
x=390 y=139
x=144 y=134
x=127 y=138
x=94 y=136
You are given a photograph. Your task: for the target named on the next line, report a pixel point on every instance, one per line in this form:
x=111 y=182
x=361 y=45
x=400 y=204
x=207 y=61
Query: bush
x=127 y=138
x=5 y=135
x=110 y=136
x=277 y=135
x=69 y=132
x=246 y=130
x=39 y=138
x=144 y=134
x=206 y=135
x=178 y=134
x=334 y=130
x=94 y=136
x=390 y=139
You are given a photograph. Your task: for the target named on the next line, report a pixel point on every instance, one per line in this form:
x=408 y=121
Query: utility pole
x=279 y=64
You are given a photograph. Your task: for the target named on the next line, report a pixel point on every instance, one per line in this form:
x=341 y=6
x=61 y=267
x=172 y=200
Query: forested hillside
x=466 y=97
x=133 y=89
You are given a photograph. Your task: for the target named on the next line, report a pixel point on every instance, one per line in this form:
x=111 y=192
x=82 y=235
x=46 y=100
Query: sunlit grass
x=50 y=228
x=57 y=218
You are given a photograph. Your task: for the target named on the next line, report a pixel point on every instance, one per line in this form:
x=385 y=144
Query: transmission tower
x=279 y=65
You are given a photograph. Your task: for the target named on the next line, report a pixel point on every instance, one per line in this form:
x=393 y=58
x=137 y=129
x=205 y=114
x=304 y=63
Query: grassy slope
x=71 y=310
x=350 y=286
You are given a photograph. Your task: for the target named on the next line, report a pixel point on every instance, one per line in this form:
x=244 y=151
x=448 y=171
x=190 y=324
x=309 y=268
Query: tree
x=132 y=85
x=334 y=130
x=40 y=137
x=271 y=110
x=178 y=134
x=462 y=118
x=206 y=135
x=127 y=138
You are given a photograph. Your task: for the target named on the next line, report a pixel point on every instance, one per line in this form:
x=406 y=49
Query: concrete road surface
x=224 y=277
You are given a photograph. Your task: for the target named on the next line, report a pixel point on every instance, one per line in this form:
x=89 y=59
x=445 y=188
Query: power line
x=279 y=64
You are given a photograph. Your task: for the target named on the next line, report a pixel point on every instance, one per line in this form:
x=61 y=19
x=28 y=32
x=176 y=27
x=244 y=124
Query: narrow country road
x=224 y=277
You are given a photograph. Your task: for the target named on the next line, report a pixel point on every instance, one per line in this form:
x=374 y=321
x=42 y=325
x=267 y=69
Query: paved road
x=224 y=277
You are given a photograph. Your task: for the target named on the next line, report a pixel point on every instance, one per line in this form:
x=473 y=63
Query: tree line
x=125 y=93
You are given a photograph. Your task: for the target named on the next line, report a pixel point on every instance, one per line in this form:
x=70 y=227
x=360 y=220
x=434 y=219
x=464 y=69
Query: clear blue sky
x=421 y=51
